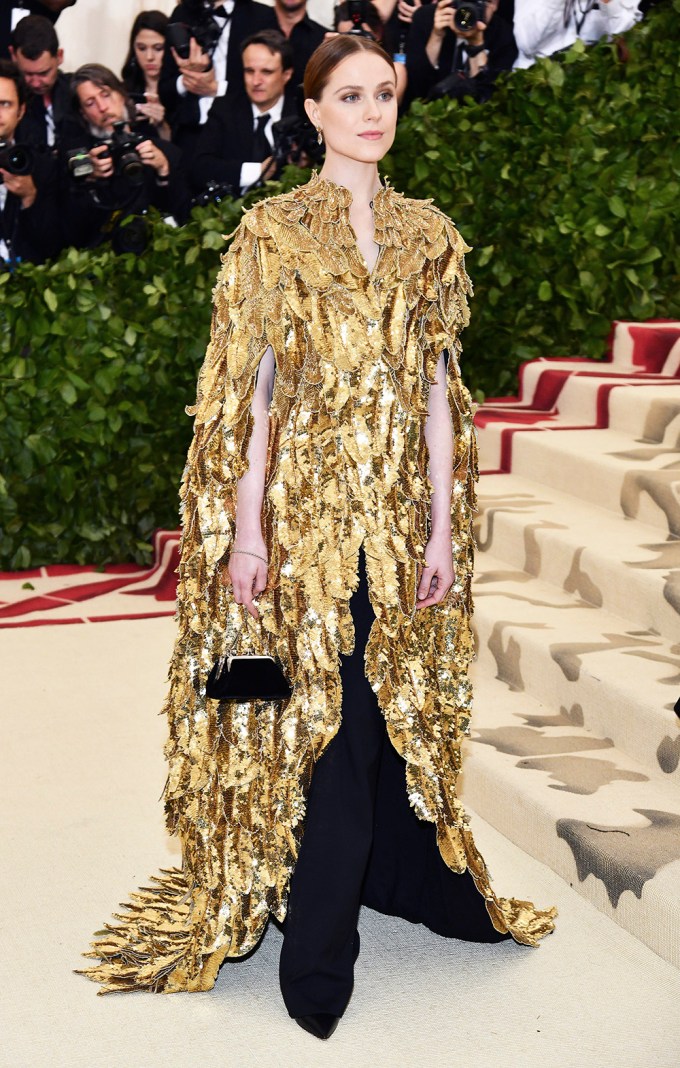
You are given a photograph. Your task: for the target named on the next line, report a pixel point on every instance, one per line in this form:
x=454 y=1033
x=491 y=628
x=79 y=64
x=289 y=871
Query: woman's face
x=101 y=106
x=149 y=47
x=357 y=112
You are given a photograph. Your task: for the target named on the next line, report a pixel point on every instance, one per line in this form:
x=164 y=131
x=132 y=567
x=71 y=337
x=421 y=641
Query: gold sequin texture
x=356 y=352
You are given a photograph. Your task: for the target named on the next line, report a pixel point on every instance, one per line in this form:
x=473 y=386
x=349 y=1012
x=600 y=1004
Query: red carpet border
x=63 y=593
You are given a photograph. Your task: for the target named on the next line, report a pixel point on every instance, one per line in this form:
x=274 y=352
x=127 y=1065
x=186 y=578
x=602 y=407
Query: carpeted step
x=607 y=468
x=619 y=679
x=586 y=396
x=652 y=416
x=645 y=407
x=580 y=805
x=618 y=564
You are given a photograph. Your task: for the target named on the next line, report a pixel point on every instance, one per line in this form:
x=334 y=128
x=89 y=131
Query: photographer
x=457 y=48
x=204 y=58
x=28 y=190
x=114 y=168
x=36 y=52
x=304 y=34
x=237 y=146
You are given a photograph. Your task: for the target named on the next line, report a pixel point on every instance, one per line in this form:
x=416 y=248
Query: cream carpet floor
x=81 y=773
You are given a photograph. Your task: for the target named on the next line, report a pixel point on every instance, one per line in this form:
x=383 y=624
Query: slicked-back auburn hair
x=330 y=55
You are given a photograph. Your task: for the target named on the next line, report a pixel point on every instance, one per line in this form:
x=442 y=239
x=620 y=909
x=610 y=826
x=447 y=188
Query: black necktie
x=261 y=147
x=221 y=12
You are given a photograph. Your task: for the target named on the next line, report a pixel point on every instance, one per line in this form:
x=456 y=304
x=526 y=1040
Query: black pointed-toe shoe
x=319 y=1024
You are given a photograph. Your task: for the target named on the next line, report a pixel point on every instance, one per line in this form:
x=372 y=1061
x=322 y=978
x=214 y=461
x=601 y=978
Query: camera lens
x=15 y=159
x=466 y=17
x=132 y=168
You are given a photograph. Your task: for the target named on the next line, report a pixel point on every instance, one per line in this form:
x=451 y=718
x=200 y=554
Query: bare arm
x=248 y=560
x=437 y=577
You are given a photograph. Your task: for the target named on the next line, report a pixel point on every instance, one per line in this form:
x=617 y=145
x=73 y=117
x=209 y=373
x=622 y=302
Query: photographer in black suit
x=451 y=55
x=236 y=147
x=304 y=34
x=29 y=230
x=211 y=59
x=115 y=169
x=36 y=52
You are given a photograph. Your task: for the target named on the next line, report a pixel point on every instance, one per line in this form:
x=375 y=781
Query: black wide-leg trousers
x=363 y=844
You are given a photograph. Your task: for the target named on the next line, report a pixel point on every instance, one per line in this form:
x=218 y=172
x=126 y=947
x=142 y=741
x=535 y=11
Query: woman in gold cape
x=358 y=360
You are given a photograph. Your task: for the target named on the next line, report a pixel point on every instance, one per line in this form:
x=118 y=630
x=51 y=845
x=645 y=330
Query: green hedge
x=566 y=184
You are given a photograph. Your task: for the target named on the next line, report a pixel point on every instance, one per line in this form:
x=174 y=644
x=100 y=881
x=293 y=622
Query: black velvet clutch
x=248 y=678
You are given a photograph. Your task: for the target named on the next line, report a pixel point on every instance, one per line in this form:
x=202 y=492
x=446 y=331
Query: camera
x=213 y=193
x=79 y=164
x=127 y=163
x=202 y=27
x=359 y=12
x=468 y=13
x=17 y=159
x=294 y=136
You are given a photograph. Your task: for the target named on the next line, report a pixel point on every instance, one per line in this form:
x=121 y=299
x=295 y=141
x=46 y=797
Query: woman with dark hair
x=327 y=507
x=142 y=67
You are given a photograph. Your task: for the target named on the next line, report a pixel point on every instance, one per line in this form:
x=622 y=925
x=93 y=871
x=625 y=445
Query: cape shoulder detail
x=310 y=232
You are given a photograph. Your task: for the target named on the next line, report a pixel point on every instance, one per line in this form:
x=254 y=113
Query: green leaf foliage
x=566 y=183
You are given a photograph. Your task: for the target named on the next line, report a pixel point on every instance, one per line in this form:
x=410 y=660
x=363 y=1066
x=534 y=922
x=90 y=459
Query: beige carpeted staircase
x=576 y=746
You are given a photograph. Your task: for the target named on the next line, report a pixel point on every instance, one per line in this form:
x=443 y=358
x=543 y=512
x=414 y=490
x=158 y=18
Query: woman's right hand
x=152 y=110
x=248 y=574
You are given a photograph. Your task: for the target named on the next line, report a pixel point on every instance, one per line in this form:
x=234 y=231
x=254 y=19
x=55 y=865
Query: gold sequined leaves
x=412 y=234
x=249 y=301
x=313 y=237
x=449 y=314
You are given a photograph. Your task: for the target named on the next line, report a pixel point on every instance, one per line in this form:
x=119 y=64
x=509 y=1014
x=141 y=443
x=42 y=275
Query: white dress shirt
x=250 y=172
x=540 y=30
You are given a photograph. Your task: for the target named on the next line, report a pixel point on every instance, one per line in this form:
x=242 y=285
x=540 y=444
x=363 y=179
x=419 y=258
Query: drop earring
x=319 y=136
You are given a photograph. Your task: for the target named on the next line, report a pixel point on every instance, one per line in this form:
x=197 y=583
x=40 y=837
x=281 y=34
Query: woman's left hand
x=437 y=577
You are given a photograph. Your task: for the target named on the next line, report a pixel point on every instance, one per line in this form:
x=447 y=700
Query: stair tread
x=495 y=577
x=581 y=514
x=549 y=643
x=575 y=773
x=591 y=813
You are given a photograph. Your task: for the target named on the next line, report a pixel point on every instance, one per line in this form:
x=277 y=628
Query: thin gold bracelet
x=244 y=552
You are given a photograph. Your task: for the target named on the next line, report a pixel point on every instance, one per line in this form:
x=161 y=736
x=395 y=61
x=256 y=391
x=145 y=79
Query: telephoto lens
x=17 y=159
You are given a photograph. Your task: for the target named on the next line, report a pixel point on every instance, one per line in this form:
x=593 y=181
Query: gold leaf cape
x=356 y=352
